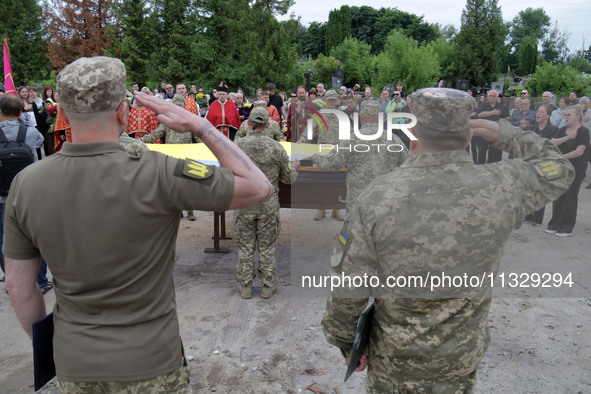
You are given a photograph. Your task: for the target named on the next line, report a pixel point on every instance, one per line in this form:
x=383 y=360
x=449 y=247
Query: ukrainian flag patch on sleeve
x=343 y=241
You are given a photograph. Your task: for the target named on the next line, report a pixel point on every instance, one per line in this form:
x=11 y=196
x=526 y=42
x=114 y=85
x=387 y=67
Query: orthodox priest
x=223 y=114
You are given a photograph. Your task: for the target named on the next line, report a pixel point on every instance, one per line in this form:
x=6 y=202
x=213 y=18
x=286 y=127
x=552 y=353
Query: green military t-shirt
x=106 y=223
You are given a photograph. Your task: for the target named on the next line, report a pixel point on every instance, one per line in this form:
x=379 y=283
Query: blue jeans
x=41 y=275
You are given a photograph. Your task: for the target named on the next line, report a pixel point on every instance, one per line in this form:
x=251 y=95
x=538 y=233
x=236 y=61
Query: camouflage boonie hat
x=178 y=99
x=259 y=103
x=442 y=109
x=370 y=107
x=331 y=95
x=259 y=115
x=91 y=84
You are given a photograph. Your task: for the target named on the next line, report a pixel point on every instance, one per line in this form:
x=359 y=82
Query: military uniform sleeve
x=545 y=173
x=287 y=174
x=156 y=135
x=189 y=184
x=354 y=256
x=336 y=158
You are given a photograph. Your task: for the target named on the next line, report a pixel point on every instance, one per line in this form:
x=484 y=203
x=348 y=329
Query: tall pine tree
x=21 y=24
x=132 y=44
x=481 y=41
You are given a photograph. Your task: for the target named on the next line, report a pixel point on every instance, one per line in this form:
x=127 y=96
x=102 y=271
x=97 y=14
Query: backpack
x=14 y=156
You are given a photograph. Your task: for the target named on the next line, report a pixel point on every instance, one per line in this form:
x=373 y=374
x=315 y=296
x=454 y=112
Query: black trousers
x=564 y=209
x=537 y=216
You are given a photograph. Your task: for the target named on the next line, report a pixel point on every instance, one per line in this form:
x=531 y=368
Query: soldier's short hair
x=270 y=86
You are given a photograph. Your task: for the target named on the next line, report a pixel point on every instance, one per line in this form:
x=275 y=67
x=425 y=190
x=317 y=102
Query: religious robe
x=141 y=121
x=191 y=106
x=61 y=127
x=224 y=116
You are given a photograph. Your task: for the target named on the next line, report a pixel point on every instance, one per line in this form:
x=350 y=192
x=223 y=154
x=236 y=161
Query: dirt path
x=539 y=345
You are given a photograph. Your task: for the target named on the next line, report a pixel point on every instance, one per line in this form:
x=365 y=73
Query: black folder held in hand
x=361 y=340
x=44 y=368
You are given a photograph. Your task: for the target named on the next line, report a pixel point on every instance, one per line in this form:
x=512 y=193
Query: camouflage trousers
x=176 y=382
x=252 y=231
x=463 y=384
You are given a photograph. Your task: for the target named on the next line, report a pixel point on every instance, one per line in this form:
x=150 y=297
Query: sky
x=573 y=16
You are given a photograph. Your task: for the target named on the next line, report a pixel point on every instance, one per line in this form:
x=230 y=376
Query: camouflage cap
x=370 y=107
x=259 y=115
x=91 y=84
x=179 y=99
x=330 y=95
x=442 y=109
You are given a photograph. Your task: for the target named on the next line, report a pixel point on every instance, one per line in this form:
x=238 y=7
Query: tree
x=132 y=44
x=480 y=41
x=173 y=29
x=78 y=28
x=20 y=23
x=559 y=79
x=528 y=55
x=530 y=22
x=403 y=59
x=357 y=61
x=446 y=53
x=314 y=40
x=325 y=67
x=338 y=27
x=580 y=63
x=410 y=24
x=555 y=46
x=242 y=43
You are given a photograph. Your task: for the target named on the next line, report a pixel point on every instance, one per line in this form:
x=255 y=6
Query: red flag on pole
x=8 y=81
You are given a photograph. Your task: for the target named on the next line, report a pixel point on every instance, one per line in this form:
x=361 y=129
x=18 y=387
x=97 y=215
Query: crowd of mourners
x=565 y=121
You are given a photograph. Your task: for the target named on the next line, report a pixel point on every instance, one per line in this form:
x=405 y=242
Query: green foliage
x=243 y=44
x=131 y=43
x=404 y=60
x=357 y=61
x=555 y=46
x=338 y=27
x=529 y=23
x=446 y=53
x=580 y=63
x=480 y=41
x=314 y=39
x=411 y=24
x=325 y=67
x=528 y=55
x=559 y=79
x=20 y=23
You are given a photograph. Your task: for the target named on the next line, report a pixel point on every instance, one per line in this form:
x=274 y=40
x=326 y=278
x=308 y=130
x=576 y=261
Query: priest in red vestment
x=141 y=121
x=223 y=113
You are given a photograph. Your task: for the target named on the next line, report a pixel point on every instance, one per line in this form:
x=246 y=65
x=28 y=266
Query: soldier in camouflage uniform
x=259 y=226
x=172 y=137
x=273 y=129
x=363 y=167
x=131 y=145
x=438 y=212
x=328 y=136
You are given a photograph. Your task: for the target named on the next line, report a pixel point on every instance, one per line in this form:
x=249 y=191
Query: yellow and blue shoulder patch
x=344 y=239
x=548 y=169
x=196 y=171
